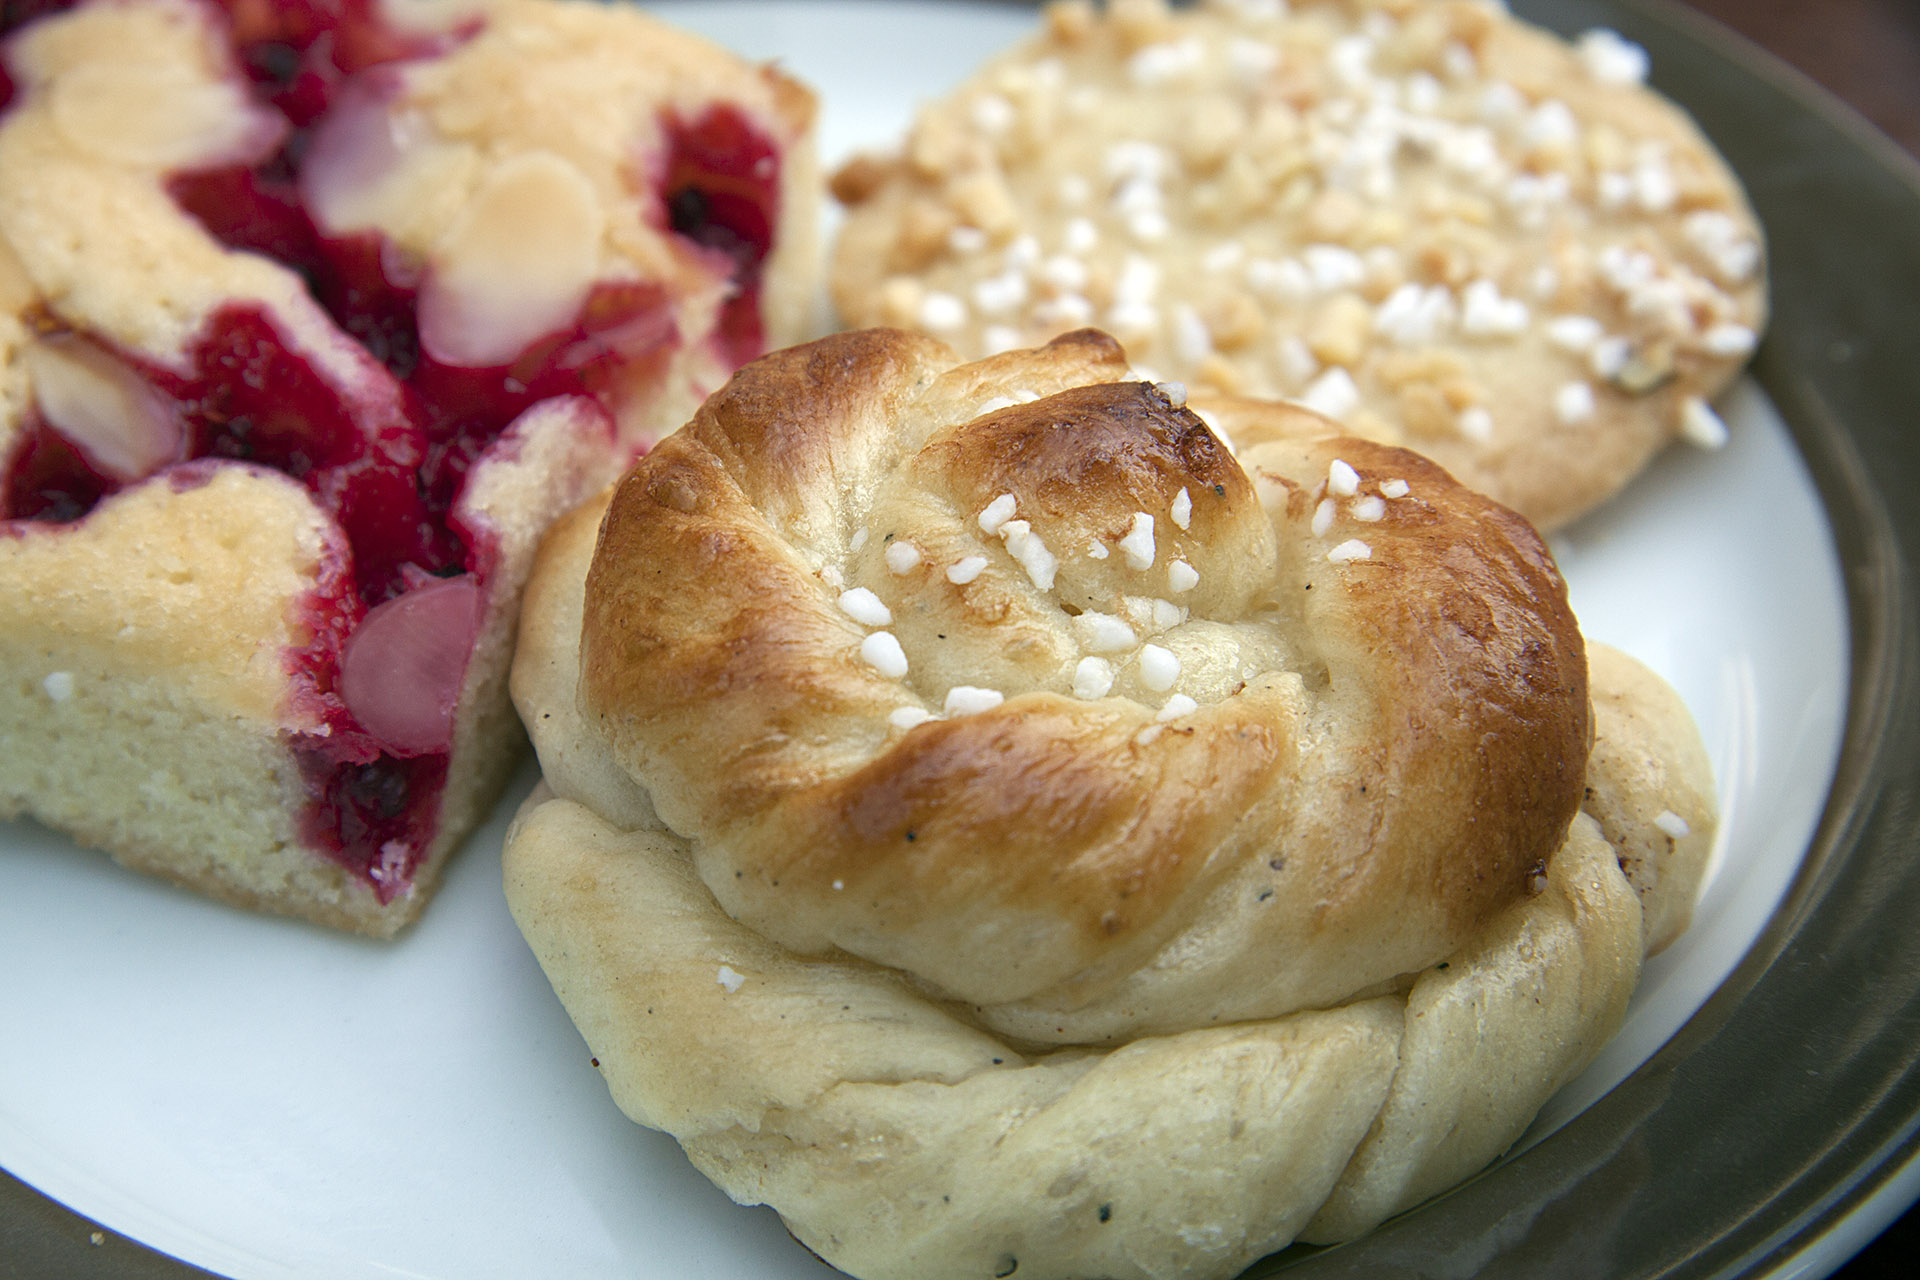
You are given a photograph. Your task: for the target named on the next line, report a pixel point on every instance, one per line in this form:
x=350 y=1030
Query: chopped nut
x=1423 y=39
x=1469 y=22
x=1380 y=226
x=935 y=146
x=1423 y=364
x=1463 y=392
x=1276 y=129
x=1443 y=261
x=924 y=227
x=1140 y=22
x=855 y=181
x=1214 y=125
x=1339 y=330
x=1607 y=150
x=1037 y=124
x=1426 y=410
x=900 y=299
x=982 y=200
x=1334 y=216
x=1243 y=186
x=516 y=264
x=1069 y=21
x=1694 y=184
x=1295 y=194
x=1234 y=321
x=1475 y=211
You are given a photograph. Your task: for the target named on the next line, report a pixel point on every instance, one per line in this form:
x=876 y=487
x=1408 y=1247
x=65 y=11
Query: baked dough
x=1436 y=223
x=727 y=664
x=311 y=320
x=913 y=1114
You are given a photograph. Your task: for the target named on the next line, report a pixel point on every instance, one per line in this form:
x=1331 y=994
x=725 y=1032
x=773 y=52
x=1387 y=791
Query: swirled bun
x=1227 y=935
x=312 y=317
x=1033 y=856
x=1436 y=223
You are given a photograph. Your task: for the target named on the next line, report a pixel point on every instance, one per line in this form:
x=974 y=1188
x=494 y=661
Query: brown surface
x=1866 y=51
x=914 y=850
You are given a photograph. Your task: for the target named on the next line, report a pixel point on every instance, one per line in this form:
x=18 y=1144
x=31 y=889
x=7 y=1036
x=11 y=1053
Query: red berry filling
x=722 y=191
x=296 y=52
x=380 y=814
x=254 y=400
x=383 y=445
x=255 y=209
x=50 y=479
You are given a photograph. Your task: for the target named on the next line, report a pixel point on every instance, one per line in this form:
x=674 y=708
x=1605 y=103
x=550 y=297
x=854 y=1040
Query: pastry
x=1436 y=223
x=1000 y=827
x=311 y=319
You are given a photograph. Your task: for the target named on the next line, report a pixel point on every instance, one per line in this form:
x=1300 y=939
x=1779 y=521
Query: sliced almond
x=373 y=166
x=516 y=266
x=99 y=403
x=159 y=117
x=402 y=669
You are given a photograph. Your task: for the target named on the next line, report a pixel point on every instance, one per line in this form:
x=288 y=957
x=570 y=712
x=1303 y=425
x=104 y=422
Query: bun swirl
x=1152 y=738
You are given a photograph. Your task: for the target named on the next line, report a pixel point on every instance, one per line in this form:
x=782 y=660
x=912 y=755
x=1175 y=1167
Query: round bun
x=1280 y=931
x=1007 y=675
x=1438 y=224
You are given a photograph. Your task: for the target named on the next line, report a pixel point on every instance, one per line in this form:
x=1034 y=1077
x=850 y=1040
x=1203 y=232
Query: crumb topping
x=1357 y=207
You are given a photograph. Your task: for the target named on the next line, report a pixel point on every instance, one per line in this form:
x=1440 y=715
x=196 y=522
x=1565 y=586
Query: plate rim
x=1781 y=1233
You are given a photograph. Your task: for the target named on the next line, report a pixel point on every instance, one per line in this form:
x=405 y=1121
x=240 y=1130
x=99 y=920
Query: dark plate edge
x=1720 y=1157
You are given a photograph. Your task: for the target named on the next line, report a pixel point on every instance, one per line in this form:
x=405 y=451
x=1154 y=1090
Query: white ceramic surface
x=266 y=1099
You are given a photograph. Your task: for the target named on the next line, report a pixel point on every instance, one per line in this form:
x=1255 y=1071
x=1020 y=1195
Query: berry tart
x=1442 y=226
x=1060 y=846
x=313 y=316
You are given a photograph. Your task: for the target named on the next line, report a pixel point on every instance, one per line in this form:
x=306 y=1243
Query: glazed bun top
x=1013 y=676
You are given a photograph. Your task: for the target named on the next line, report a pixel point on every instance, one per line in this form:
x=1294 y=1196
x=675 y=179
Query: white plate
x=266 y=1099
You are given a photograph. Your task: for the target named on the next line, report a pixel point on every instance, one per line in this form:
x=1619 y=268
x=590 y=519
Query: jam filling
x=297 y=52
x=49 y=478
x=721 y=189
x=387 y=454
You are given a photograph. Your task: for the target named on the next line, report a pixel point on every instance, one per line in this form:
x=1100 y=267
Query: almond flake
x=515 y=266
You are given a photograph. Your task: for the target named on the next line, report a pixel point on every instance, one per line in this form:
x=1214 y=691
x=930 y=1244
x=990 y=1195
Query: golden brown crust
x=1390 y=745
x=1382 y=758
x=1481 y=628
